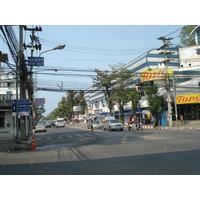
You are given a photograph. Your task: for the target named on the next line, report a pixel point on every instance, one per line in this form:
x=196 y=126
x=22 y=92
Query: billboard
x=77 y=108
x=187 y=99
x=155 y=74
x=189 y=56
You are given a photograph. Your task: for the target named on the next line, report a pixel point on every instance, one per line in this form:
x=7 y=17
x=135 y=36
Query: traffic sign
x=35 y=61
x=23 y=107
x=39 y=101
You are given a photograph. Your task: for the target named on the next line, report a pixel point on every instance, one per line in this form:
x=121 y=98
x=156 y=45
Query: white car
x=60 y=123
x=112 y=124
x=40 y=126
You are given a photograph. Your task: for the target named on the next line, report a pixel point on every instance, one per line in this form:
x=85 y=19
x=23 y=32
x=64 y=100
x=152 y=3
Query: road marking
x=124 y=139
x=80 y=135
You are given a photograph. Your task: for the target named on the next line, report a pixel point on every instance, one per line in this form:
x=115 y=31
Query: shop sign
x=187 y=99
x=77 y=108
x=153 y=74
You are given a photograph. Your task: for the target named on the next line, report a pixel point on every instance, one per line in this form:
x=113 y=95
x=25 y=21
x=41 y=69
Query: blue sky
x=89 y=47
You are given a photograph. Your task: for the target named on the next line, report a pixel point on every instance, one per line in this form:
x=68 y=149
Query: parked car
x=60 y=123
x=40 y=126
x=112 y=124
x=96 y=125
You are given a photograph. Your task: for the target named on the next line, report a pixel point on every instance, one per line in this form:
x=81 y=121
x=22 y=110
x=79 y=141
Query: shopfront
x=188 y=106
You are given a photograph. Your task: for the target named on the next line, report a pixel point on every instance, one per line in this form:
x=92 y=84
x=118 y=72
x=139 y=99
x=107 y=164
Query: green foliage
x=185 y=37
x=65 y=106
x=134 y=97
x=154 y=101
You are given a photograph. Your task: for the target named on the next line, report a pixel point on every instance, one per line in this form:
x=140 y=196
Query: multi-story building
x=182 y=68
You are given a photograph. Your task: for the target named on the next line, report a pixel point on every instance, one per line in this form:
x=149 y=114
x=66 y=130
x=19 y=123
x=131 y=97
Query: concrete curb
x=151 y=127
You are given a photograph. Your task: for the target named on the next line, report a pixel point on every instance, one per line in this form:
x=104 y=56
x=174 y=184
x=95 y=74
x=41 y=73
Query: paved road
x=147 y=152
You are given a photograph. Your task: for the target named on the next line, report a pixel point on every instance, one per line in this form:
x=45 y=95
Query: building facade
x=7 y=93
x=184 y=65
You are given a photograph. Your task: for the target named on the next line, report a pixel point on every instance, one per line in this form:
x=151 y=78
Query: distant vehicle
x=40 y=126
x=96 y=125
x=110 y=123
x=48 y=123
x=60 y=123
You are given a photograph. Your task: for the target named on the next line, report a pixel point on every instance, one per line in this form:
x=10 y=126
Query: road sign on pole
x=23 y=107
x=35 y=61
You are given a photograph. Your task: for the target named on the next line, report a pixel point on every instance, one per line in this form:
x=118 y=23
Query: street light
x=59 y=47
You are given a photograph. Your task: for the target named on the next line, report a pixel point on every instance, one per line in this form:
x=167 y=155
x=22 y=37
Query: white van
x=60 y=123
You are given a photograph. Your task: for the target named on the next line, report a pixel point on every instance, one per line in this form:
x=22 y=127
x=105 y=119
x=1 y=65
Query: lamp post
x=59 y=47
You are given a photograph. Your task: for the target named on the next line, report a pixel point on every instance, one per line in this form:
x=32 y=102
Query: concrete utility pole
x=166 y=42
x=31 y=84
x=22 y=75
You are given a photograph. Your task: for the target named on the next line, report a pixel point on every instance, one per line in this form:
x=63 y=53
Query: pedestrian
x=92 y=128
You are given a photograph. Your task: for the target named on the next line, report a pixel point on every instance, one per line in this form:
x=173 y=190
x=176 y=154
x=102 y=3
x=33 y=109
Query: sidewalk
x=177 y=125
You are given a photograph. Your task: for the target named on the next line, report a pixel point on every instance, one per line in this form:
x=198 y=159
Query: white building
x=7 y=93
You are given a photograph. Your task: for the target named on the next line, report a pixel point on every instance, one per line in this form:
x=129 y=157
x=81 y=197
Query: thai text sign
x=77 y=108
x=152 y=74
x=189 y=98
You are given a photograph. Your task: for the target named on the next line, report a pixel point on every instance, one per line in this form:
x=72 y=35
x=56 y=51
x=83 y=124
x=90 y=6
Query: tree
x=134 y=97
x=154 y=101
x=185 y=37
x=104 y=81
x=122 y=77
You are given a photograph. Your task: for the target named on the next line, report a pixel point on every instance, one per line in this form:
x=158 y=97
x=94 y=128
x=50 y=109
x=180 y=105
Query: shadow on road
x=174 y=163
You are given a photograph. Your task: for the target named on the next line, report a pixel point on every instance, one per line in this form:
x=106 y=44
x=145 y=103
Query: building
x=7 y=93
x=95 y=99
x=184 y=67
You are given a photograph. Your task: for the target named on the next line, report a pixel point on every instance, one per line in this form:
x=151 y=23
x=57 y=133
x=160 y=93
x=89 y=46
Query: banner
x=152 y=74
x=187 y=99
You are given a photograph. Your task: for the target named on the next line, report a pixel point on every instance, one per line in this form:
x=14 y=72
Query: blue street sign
x=23 y=107
x=35 y=61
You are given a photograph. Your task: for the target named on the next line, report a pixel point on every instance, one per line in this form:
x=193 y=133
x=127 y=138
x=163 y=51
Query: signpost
x=39 y=101
x=23 y=107
x=35 y=61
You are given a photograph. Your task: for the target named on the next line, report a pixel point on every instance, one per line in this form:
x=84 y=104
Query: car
x=40 y=126
x=96 y=125
x=48 y=123
x=112 y=124
x=60 y=123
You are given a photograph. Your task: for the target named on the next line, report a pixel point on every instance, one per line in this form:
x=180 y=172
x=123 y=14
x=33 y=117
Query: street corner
x=11 y=147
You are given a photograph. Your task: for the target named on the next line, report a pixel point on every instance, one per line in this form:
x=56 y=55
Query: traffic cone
x=33 y=147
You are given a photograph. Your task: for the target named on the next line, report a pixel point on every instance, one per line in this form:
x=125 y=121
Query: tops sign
x=186 y=99
x=153 y=74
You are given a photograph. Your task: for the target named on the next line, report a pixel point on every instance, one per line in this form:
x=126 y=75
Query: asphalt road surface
x=74 y=150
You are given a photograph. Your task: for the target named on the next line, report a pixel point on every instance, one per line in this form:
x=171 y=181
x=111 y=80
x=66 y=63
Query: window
x=2 y=119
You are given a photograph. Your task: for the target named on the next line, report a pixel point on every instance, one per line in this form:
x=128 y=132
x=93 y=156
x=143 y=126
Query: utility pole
x=22 y=75
x=31 y=84
x=166 y=43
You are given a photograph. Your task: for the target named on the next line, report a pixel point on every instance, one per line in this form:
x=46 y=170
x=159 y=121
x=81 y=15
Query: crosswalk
x=84 y=135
